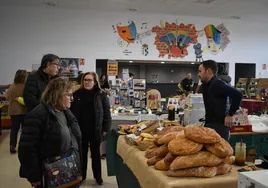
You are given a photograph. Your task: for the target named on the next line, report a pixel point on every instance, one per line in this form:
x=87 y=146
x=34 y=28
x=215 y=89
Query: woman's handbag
x=62 y=171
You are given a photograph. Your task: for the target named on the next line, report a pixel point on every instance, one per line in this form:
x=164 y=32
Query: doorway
x=245 y=70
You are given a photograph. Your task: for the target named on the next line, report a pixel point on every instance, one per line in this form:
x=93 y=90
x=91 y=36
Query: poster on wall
x=112 y=68
x=69 y=67
x=173 y=39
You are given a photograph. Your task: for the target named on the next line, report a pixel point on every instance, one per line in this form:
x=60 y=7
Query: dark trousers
x=220 y=128
x=95 y=155
x=17 y=121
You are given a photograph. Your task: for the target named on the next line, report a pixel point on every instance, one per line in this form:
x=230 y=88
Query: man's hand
x=228 y=121
x=36 y=184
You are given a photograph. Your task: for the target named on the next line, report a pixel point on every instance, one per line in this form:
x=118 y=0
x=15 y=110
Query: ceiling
x=248 y=10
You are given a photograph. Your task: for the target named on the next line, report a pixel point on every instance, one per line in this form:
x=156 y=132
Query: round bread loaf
x=221 y=149
x=202 y=134
x=223 y=168
x=183 y=146
x=161 y=165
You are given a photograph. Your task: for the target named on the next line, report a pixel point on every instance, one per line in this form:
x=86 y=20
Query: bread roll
x=150 y=152
x=202 y=158
x=184 y=146
x=162 y=165
x=223 y=168
x=202 y=135
x=169 y=158
x=230 y=160
x=153 y=160
x=204 y=172
x=162 y=151
x=166 y=138
x=221 y=149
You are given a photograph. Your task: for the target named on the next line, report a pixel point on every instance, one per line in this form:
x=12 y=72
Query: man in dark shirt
x=36 y=83
x=187 y=82
x=216 y=93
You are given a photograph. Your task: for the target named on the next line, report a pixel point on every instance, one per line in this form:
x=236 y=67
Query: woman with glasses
x=92 y=109
x=49 y=130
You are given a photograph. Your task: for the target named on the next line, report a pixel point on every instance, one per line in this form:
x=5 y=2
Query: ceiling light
x=133 y=9
x=162 y=62
x=130 y=61
x=192 y=63
x=235 y=17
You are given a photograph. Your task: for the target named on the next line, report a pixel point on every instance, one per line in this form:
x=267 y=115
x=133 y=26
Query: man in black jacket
x=187 y=82
x=216 y=93
x=36 y=83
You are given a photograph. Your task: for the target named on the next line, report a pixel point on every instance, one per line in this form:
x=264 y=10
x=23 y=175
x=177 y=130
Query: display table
x=253 y=105
x=148 y=177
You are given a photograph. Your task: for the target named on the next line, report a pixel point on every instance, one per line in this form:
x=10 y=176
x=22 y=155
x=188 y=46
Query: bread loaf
x=150 y=152
x=221 y=149
x=204 y=172
x=162 y=165
x=202 y=158
x=223 y=168
x=184 y=146
x=169 y=158
x=153 y=160
x=166 y=138
x=230 y=160
x=162 y=151
x=202 y=135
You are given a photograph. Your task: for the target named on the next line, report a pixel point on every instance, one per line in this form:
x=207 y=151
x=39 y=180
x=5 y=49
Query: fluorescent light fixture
x=192 y=63
x=130 y=61
x=162 y=62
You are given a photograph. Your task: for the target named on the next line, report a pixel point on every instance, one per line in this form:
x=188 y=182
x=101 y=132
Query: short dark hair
x=210 y=64
x=188 y=73
x=48 y=58
x=131 y=74
x=20 y=76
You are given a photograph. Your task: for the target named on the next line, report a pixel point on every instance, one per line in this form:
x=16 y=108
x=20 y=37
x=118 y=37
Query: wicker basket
x=130 y=141
x=144 y=145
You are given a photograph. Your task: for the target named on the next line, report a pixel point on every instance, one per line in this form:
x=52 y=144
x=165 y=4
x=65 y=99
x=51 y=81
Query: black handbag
x=62 y=171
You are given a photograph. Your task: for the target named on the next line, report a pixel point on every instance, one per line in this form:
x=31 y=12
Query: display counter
x=253 y=105
x=148 y=177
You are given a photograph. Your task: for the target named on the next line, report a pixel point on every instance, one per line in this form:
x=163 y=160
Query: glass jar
x=240 y=154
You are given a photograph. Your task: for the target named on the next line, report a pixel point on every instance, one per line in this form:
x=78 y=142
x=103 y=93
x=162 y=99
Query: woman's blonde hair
x=55 y=90
x=95 y=77
x=20 y=77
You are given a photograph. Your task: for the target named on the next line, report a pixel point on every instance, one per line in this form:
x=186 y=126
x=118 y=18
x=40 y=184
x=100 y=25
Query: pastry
x=202 y=171
x=202 y=134
x=221 y=148
x=169 y=158
x=153 y=160
x=184 y=146
x=161 y=165
x=223 y=168
x=202 y=158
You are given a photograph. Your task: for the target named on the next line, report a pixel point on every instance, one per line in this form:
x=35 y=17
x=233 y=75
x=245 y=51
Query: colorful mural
x=173 y=39
x=128 y=33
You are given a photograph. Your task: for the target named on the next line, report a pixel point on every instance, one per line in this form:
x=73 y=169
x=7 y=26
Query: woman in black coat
x=50 y=130
x=92 y=109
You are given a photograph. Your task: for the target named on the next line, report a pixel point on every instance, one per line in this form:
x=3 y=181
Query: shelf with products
x=252 y=87
x=241 y=85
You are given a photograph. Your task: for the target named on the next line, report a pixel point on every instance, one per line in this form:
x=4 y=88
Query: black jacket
x=41 y=138
x=101 y=111
x=187 y=84
x=34 y=87
x=216 y=93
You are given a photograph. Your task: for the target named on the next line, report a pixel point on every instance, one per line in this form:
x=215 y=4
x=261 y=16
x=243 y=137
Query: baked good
x=166 y=138
x=202 y=158
x=153 y=160
x=150 y=152
x=161 y=151
x=184 y=146
x=169 y=158
x=202 y=134
x=230 y=160
x=167 y=130
x=223 y=168
x=202 y=171
x=162 y=165
x=221 y=148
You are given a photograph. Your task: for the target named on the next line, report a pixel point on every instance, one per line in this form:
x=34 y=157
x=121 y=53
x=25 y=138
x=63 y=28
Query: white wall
x=28 y=33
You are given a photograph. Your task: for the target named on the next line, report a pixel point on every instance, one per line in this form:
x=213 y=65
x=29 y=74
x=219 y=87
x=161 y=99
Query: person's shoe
x=99 y=181
x=12 y=149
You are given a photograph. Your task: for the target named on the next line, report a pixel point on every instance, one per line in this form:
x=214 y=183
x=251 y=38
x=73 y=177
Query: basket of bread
x=144 y=141
x=193 y=151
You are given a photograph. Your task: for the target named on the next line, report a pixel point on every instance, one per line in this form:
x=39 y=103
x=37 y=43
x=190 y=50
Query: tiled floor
x=9 y=170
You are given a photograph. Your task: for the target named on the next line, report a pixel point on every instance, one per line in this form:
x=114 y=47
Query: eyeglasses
x=69 y=95
x=88 y=80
